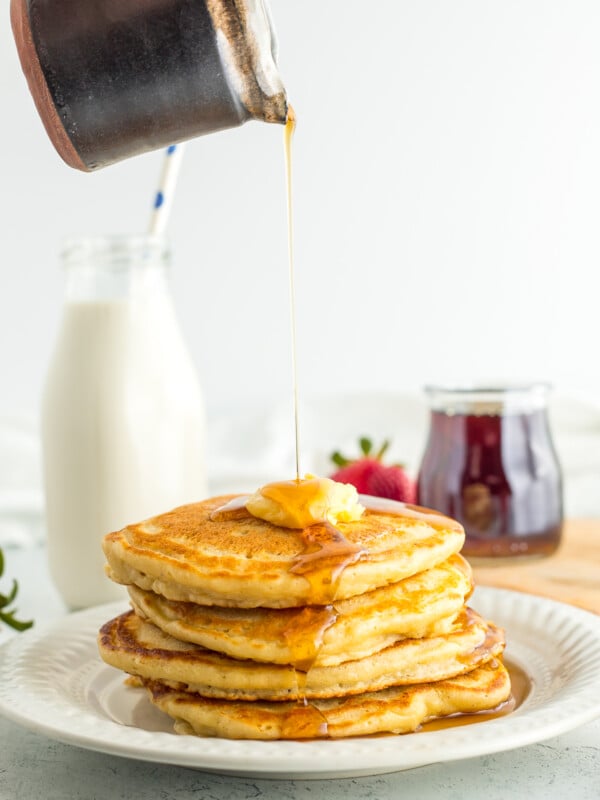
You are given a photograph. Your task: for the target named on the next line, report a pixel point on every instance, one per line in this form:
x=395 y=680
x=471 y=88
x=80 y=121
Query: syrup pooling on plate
x=520 y=687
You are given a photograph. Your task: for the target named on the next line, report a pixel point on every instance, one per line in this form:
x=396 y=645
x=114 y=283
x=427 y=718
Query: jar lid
x=489 y=399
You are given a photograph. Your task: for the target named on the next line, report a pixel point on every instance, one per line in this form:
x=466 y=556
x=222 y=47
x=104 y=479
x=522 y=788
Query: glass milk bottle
x=122 y=412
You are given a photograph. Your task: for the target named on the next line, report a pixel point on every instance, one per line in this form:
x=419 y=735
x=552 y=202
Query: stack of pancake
x=244 y=629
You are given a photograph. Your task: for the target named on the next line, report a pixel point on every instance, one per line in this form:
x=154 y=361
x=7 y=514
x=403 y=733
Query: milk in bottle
x=122 y=413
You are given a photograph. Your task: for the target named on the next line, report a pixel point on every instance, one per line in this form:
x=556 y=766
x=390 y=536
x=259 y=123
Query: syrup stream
x=290 y=127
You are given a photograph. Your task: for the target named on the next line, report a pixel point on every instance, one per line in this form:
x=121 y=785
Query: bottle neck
x=117 y=268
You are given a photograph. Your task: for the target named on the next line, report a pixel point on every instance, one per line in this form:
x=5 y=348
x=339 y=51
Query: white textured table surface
x=33 y=767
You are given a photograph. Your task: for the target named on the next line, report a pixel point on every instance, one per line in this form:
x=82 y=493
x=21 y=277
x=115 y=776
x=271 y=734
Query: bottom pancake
x=400 y=709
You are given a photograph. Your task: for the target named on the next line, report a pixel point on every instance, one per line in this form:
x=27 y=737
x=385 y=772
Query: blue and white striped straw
x=163 y=199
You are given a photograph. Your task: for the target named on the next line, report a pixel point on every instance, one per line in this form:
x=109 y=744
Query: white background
x=447 y=166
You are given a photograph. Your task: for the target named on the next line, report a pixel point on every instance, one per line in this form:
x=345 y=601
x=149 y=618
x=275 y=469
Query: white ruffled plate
x=53 y=682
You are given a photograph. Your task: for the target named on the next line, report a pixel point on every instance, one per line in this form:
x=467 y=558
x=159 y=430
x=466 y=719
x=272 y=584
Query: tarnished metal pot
x=115 y=78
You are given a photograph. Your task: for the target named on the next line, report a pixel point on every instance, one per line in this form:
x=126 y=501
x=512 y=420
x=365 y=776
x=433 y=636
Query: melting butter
x=304 y=502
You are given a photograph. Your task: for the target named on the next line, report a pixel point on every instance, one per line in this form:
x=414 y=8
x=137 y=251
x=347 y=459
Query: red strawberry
x=392 y=482
x=370 y=476
x=358 y=473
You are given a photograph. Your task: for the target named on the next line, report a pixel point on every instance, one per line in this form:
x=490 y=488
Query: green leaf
x=382 y=450
x=366 y=445
x=339 y=460
x=13 y=592
x=9 y=619
x=8 y=616
x=6 y=601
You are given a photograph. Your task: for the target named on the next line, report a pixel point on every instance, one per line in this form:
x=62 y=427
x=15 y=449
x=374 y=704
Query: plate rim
x=313 y=759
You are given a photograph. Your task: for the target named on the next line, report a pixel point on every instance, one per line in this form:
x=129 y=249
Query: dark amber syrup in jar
x=498 y=475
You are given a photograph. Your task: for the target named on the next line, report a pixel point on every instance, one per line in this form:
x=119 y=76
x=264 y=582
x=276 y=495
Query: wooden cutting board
x=571 y=575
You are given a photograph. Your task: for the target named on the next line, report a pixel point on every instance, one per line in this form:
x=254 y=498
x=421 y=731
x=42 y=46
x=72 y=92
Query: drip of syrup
x=327 y=552
x=304 y=721
x=290 y=127
x=326 y=555
x=305 y=632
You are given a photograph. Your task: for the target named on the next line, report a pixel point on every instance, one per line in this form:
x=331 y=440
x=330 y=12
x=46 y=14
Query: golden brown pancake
x=422 y=605
x=396 y=710
x=199 y=554
x=142 y=649
x=245 y=629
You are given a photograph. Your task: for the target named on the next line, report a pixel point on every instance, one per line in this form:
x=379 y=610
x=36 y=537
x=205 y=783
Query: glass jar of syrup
x=490 y=463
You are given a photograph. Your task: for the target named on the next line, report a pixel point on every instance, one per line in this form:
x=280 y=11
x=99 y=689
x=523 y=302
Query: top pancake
x=204 y=553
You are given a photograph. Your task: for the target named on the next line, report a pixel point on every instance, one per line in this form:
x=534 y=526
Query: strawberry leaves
x=366 y=448
x=366 y=445
x=339 y=460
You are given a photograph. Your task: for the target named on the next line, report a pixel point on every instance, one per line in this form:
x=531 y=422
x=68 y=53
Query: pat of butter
x=304 y=502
